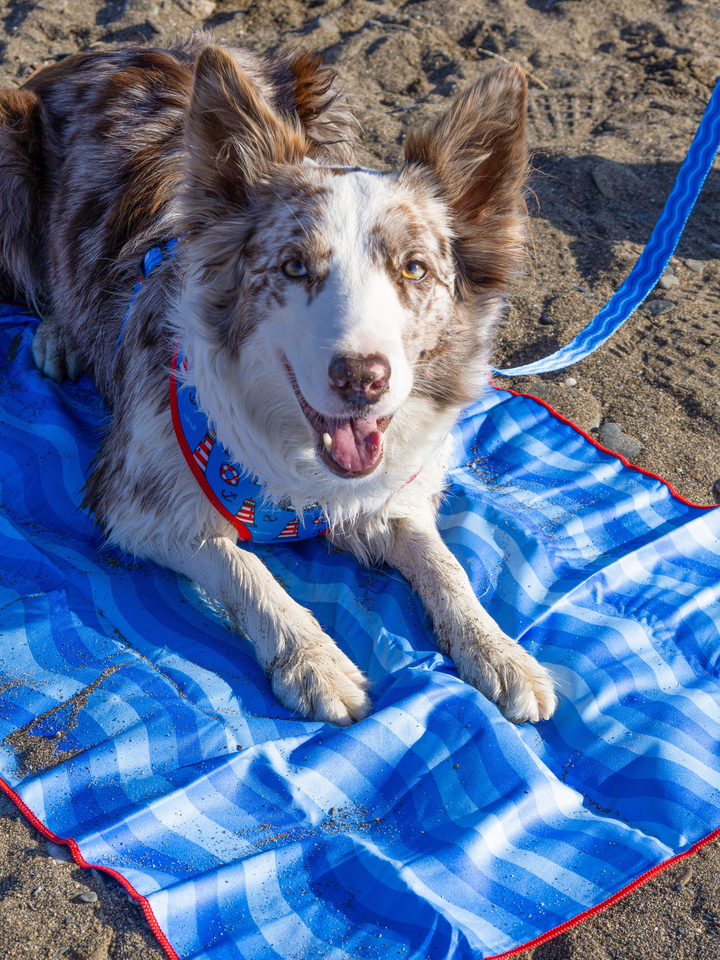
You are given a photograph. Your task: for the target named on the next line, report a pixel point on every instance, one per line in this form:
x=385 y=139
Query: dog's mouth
x=350 y=446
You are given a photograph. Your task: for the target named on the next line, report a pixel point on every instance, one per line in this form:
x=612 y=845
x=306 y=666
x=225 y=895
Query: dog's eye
x=294 y=268
x=413 y=271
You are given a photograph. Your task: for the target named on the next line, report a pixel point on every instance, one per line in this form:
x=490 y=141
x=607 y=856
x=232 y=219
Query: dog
x=316 y=326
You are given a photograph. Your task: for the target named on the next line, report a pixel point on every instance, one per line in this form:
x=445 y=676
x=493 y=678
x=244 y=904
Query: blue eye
x=413 y=271
x=294 y=268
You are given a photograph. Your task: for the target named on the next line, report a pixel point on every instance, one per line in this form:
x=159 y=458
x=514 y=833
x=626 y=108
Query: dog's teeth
x=327 y=440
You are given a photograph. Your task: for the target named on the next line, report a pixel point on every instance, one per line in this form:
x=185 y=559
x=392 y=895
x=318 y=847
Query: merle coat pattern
x=336 y=319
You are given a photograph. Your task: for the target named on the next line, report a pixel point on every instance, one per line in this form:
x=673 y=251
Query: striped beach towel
x=136 y=728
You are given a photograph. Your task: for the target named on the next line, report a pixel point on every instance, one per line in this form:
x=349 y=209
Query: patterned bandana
x=228 y=485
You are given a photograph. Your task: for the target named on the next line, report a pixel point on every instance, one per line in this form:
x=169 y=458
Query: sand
x=617 y=90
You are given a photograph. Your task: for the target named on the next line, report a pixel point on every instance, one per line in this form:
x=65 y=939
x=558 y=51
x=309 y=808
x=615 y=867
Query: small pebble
x=668 y=282
x=201 y=9
x=668 y=271
x=656 y=307
x=612 y=437
x=716 y=490
x=36 y=891
x=59 y=853
x=456 y=766
x=697 y=266
x=239 y=746
x=571 y=382
x=333 y=811
x=546 y=320
x=89 y=897
x=686 y=875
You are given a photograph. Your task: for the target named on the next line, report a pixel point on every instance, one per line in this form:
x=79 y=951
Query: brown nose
x=360 y=380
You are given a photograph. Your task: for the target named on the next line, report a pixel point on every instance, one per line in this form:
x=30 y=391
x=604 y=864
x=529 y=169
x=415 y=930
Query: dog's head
x=334 y=312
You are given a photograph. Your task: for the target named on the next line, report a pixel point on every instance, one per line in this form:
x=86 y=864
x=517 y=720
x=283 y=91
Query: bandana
x=232 y=489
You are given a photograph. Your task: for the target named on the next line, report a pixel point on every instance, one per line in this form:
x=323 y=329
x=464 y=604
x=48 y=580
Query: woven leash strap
x=655 y=257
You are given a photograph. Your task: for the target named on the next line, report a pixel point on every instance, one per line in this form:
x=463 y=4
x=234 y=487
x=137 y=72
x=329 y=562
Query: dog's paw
x=500 y=669
x=51 y=354
x=321 y=683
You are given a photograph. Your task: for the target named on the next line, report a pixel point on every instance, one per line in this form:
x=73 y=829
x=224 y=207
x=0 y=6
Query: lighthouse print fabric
x=134 y=724
x=234 y=491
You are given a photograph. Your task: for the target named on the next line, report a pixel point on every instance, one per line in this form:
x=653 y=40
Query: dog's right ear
x=234 y=139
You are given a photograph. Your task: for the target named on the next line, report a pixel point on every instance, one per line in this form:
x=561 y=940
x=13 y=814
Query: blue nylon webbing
x=152 y=258
x=655 y=257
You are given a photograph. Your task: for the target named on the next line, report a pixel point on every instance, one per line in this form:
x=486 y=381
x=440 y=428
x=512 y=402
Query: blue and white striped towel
x=433 y=829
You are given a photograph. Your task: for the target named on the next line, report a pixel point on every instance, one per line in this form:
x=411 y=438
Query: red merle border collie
x=334 y=321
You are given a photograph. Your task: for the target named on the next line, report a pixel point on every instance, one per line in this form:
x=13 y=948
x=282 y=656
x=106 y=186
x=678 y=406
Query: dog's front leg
x=307 y=670
x=485 y=656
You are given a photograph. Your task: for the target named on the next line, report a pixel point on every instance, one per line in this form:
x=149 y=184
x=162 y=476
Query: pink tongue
x=357 y=444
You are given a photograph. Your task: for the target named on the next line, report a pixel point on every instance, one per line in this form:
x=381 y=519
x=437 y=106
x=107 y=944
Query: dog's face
x=342 y=314
x=351 y=278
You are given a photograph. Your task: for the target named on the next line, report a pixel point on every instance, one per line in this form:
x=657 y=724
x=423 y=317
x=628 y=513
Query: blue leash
x=655 y=257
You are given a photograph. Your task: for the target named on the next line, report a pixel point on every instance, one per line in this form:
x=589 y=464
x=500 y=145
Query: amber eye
x=294 y=268
x=413 y=271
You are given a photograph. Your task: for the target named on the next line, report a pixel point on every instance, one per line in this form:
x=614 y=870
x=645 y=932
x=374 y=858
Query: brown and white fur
x=251 y=159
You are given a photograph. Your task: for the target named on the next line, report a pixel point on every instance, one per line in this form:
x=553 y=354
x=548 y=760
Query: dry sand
x=617 y=90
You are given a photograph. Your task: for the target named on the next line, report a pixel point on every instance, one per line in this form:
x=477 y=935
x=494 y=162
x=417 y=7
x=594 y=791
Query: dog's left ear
x=478 y=152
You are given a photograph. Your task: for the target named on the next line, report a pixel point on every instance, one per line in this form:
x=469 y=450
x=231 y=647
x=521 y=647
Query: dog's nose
x=361 y=380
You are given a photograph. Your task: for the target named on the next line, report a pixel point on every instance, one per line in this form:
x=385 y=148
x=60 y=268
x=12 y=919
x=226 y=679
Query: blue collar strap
x=227 y=484
x=152 y=258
